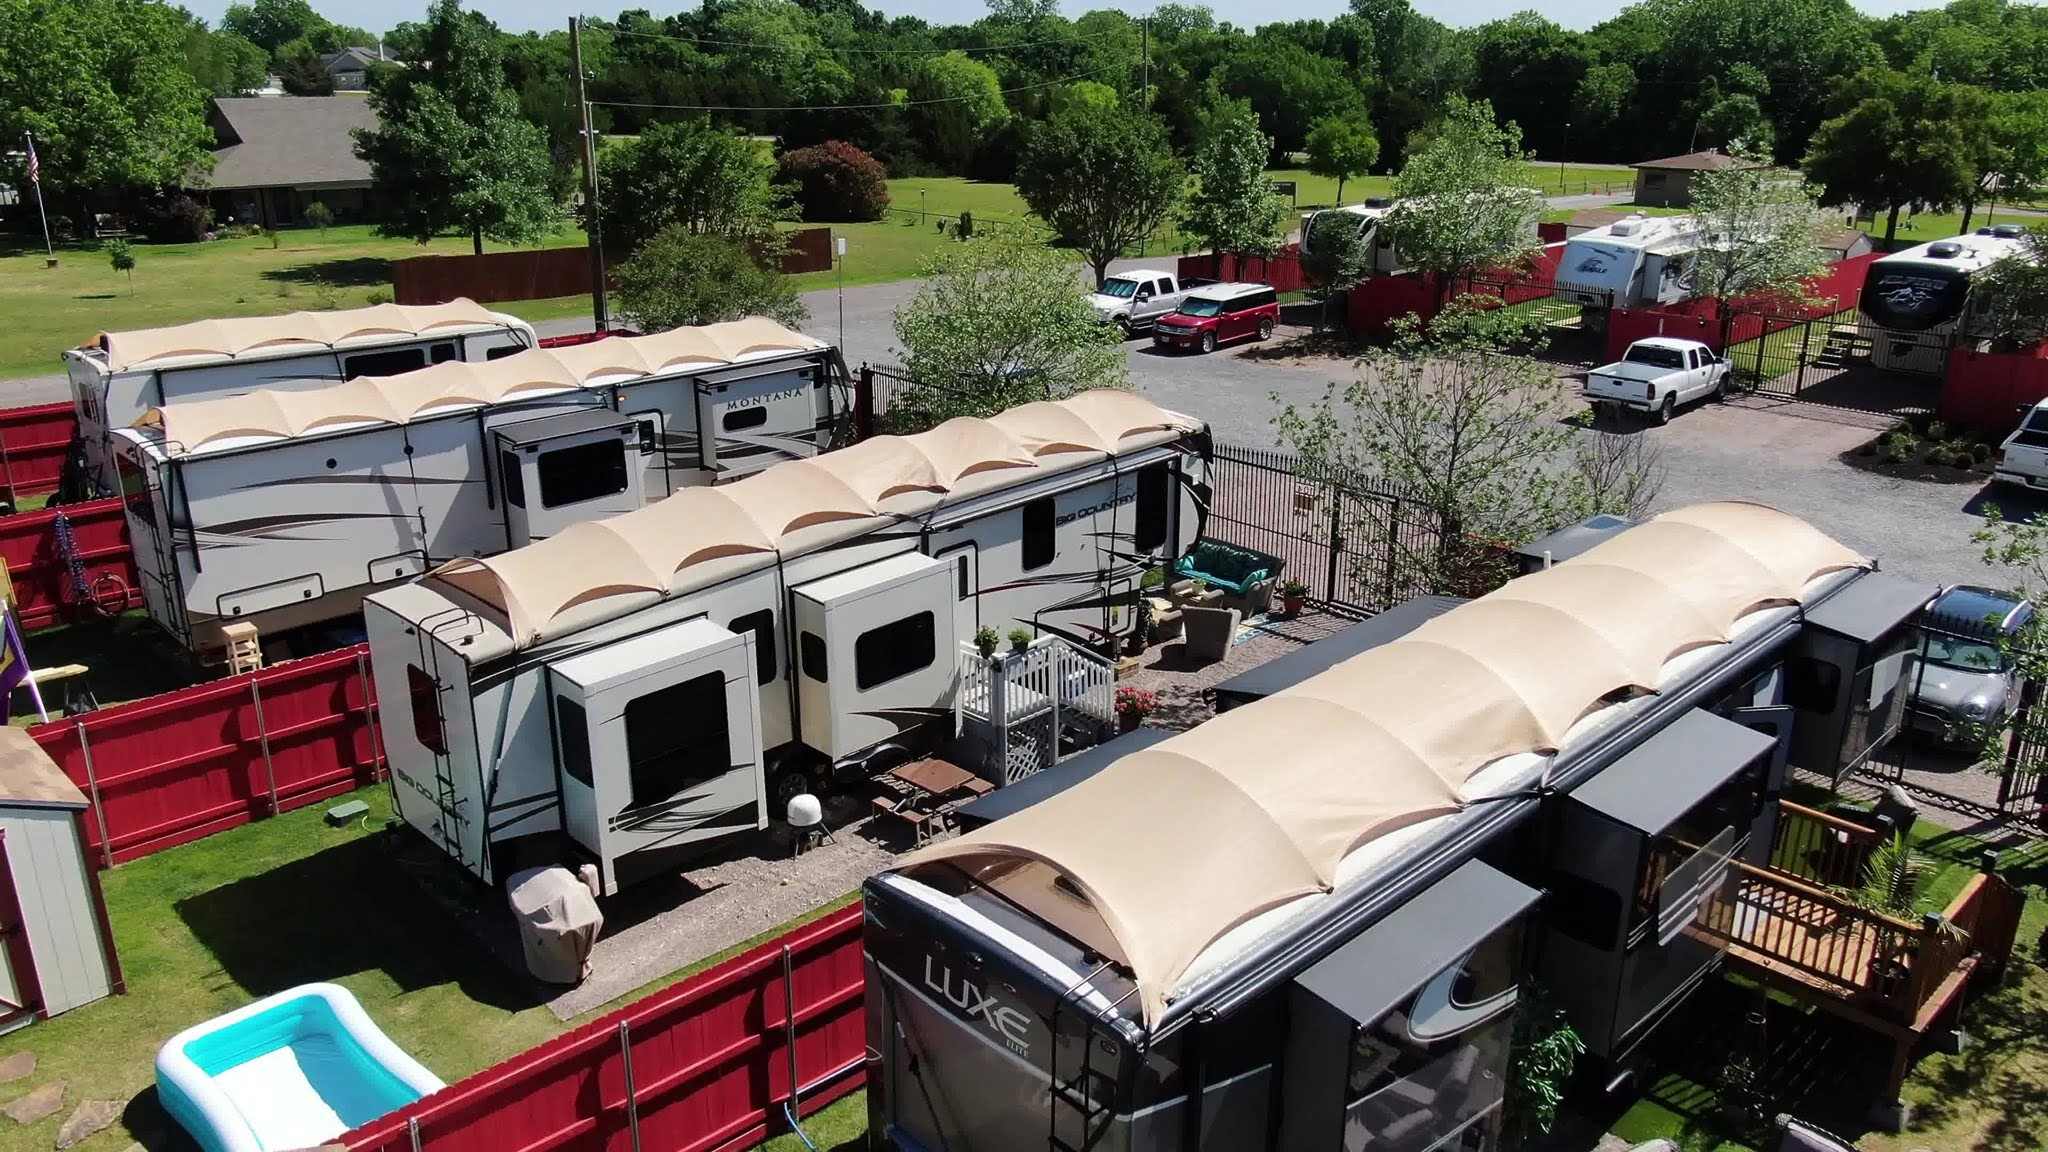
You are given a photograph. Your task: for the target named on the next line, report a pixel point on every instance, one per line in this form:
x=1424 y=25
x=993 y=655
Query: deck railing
x=1822 y=848
x=1043 y=687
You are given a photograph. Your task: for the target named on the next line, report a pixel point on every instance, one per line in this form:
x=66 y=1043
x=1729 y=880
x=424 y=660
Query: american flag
x=35 y=166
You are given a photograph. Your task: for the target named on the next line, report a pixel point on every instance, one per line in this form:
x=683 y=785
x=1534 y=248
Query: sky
x=520 y=15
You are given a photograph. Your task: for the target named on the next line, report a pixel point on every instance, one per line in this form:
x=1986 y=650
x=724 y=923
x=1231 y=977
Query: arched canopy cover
x=1177 y=844
x=291 y=332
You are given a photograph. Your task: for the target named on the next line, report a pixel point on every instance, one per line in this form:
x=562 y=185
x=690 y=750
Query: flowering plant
x=1135 y=701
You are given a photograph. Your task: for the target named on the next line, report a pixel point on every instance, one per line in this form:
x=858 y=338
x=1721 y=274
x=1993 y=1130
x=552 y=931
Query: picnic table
x=928 y=794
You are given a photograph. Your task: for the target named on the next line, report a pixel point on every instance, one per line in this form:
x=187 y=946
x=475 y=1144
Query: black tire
x=791 y=779
x=1208 y=342
x=1667 y=408
x=1721 y=389
x=1266 y=328
x=1123 y=327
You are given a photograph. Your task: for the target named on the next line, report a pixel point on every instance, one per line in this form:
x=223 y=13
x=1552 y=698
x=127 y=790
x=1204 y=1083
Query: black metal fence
x=1356 y=547
x=1840 y=359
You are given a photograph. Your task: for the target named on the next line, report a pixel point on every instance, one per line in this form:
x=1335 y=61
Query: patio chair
x=1207 y=632
x=903 y=810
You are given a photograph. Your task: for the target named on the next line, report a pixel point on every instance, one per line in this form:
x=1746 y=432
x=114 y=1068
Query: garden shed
x=56 y=948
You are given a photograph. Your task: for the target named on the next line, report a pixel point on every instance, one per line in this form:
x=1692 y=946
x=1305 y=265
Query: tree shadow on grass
x=344 y=272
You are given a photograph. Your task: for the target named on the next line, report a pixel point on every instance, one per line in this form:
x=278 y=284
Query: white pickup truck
x=2023 y=456
x=1134 y=301
x=1656 y=376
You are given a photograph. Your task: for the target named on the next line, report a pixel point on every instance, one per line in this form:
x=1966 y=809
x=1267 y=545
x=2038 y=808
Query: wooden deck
x=1804 y=938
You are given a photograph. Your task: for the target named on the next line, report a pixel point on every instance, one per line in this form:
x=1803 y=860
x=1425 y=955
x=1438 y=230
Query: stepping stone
x=89 y=1118
x=42 y=1102
x=16 y=1067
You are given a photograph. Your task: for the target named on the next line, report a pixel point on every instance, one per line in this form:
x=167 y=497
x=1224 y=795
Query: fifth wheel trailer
x=1923 y=298
x=121 y=375
x=634 y=690
x=283 y=509
x=1309 y=923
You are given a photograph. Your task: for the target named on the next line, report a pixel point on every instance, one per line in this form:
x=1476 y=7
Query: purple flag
x=14 y=666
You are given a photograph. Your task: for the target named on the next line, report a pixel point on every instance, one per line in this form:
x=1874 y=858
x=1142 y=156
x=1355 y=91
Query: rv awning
x=1658 y=780
x=1304 y=662
x=1875 y=606
x=1377 y=970
x=1175 y=845
x=1011 y=799
x=293 y=331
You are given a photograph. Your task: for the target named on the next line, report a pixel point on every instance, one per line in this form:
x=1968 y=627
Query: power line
x=849 y=107
x=774 y=47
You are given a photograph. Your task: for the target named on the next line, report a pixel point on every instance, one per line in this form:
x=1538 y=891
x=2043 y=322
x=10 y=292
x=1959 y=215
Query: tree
x=451 y=148
x=836 y=181
x=1529 y=67
x=957 y=103
x=300 y=71
x=2020 y=130
x=998 y=320
x=271 y=24
x=122 y=256
x=223 y=63
x=2014 y=290
x=1459 y=208
x=691 y=173
x=1337 y=256
x=1103 y=178
x=1897 y=144
x=1289 y=87
x=1765 y=229
x=1233 y=209
x=1736 y=121
x=1340 y=147
x=682 y=278
x=103 y=85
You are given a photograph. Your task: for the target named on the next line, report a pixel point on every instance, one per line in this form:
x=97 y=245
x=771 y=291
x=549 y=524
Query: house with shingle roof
x=1668 y=182
x=349 y=68
x=274 y=156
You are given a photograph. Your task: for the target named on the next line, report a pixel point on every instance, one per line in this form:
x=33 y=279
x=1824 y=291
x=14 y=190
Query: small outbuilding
x=1667 y=182
x=56 y=946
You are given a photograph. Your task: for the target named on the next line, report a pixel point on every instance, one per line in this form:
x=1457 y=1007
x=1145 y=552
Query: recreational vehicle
x=1633 y=262
x=1309 y=923
x=1369 y=217
x=121 y=375
x=1921 y=297
x=283 y=509
x=631 y=691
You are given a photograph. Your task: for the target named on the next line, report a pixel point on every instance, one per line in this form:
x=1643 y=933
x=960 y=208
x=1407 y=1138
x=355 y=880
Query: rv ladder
x=447 y=804
x=1079 y=1094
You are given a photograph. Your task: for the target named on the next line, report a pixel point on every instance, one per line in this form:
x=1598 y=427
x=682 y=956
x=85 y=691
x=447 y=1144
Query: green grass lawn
x=209 y=926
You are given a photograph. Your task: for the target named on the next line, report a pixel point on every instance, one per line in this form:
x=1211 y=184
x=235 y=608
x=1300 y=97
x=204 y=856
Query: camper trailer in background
x=283 y=509
x=1309 y=924
x=1634 y=262
x=1922 y=297
x=1369 y=217
x=634 y=690
x=121 y=375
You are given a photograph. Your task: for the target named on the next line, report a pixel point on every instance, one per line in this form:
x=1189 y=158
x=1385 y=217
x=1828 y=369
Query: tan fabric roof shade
x=190 y=426
x=655 y=549
x=291 y=332
x=1178 y=843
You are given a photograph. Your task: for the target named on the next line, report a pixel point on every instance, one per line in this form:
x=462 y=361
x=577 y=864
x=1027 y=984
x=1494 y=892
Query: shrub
x=679 y=279
x=379 y=296
x=1936 y=430
x=320 y=216
x=836 y=181
x=122 y=257
x=1981 y=452
x=178 y=219
x=1937 y=456
x=966 y=229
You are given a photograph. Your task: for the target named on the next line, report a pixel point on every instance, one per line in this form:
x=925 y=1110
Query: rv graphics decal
x=1116 y=501
x=1436 y=1012
x=1010 y=1026
x=762 y=400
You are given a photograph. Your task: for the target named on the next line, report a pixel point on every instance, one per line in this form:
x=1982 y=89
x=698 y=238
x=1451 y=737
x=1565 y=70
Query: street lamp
x=1561 y=155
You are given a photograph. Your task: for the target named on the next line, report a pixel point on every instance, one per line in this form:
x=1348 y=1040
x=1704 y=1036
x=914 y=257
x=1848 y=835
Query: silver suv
x=1962 y=680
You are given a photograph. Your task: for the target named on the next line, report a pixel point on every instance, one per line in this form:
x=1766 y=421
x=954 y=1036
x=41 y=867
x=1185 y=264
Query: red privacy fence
x=33 y=444
x=703 y=1066
x=1836 y=289
x=1282 y=270
x=46 y=588
x=1986 y=390
x=542 y=273
x=173 y=768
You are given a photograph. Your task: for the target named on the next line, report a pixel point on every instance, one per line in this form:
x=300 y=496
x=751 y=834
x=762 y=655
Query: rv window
x=135 y=490
x=1151 y=526
x=1039 y=548
x=966 y=587
x=425 y=697
x=894 y=650
x=677 y=738
x=504 y=350
x=572 y=731
x=1582 y=909
x=762 y=625
x=650 y=438
x=515 y=478
x=811 y=654
x=1812 y=685
x=443 y=352
x=383 y=363
x=582 y=472
x=740 y=419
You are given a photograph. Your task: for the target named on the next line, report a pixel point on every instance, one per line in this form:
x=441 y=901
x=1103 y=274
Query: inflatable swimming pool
x=293 y=1070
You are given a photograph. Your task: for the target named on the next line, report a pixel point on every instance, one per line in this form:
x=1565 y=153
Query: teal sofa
x=1246 y=576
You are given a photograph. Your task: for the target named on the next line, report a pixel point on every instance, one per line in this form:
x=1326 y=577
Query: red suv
x=1217 y=314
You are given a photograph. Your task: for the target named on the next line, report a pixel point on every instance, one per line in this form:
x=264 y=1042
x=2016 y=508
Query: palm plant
x=1892 y=878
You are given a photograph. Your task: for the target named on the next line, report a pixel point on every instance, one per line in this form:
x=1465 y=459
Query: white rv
x=1921 y=296
x=283 y=509
x=1369 y=215
x=1633 y=262
x=121 y=375
x=633 y=690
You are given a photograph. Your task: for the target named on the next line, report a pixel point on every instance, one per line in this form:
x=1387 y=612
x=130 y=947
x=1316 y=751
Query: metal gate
x=1571 y=317
x=1840 y=359
x=1356 y=547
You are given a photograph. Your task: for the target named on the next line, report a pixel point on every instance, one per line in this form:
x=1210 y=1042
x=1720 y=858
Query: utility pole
x=593 y=226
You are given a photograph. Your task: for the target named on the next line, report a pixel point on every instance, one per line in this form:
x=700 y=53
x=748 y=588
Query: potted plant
x=1020 y=639
x=1132 y=706
x=985 y=640
x=1293 y=594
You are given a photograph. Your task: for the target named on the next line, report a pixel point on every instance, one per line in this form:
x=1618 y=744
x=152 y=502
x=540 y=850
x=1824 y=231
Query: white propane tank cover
x=805 y=811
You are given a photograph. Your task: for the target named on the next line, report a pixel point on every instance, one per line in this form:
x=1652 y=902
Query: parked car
x=1656 y=375
x=1134 y=301
x=1218 y=314
x=1962 y=680
x=2023 y=456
